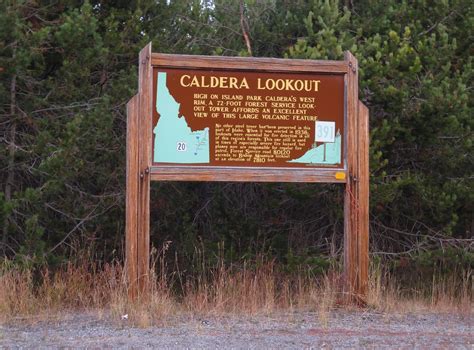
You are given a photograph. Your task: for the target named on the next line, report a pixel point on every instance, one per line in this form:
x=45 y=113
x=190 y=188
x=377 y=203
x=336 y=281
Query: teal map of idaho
x=176 y=143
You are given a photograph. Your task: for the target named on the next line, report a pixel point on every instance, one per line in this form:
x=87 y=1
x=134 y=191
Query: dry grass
x=453 y=293
x=24 y=293
x=250 y=289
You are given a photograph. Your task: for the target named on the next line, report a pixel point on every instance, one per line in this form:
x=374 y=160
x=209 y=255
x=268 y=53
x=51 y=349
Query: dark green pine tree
x=68 y=69
x=67 y=74
x=415 y=76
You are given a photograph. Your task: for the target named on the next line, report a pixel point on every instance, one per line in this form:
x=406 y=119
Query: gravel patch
x=337 y=330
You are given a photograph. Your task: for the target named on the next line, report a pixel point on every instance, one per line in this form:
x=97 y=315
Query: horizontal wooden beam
x=249 y=63
x=187 y=173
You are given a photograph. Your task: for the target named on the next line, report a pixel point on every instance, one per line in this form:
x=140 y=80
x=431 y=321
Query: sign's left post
x=131 y=201
x=139 y=127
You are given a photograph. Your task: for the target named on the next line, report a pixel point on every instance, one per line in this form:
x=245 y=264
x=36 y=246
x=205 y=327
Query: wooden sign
x=203 y=118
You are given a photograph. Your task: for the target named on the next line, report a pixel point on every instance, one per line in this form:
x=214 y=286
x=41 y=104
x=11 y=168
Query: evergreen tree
x=67 y=70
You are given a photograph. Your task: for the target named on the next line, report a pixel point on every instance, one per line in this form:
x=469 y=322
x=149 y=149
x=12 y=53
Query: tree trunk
x=245 y=28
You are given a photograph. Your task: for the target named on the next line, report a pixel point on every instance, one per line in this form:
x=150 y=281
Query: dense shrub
x=67 y=71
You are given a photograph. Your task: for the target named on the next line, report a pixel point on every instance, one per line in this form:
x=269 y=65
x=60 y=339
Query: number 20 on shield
x=181 y=146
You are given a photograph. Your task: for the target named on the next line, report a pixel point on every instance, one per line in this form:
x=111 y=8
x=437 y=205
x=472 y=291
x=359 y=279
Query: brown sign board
x=209 y=118
x=247 y=119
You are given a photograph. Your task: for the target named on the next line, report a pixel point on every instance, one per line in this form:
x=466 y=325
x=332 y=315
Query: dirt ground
x=335 y=330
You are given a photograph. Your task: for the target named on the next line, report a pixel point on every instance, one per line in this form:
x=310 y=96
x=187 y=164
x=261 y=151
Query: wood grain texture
x=131 y=201
x=176 y=173
x=145 y=86
x=363 y=201
x=248 y=63
x=350 y=199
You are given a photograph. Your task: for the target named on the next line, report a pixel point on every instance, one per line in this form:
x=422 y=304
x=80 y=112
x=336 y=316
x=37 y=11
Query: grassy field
x=257 y=288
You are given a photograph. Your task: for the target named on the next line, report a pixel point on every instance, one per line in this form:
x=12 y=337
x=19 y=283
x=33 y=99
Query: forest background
x=67 y=69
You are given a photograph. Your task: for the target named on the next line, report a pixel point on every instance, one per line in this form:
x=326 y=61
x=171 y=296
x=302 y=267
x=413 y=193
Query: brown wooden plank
x=350 y=197
x=248 y=63
x=131 y=205
x=184 y=173
x=363 y=201
x=145 y=84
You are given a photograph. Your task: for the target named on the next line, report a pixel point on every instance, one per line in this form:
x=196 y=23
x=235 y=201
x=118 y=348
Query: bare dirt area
x=336 y=329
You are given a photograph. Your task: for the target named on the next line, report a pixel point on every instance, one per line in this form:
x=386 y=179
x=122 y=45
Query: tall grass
x=250 y=287
x=445 y=293
x=25 y=292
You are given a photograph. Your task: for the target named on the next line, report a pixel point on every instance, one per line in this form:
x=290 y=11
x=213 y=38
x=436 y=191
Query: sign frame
x=141 y=171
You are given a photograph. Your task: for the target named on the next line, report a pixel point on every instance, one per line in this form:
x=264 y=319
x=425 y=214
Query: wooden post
x=139 y=127
x=145 y=91
x=131 y=219
x=356 y=199
x=363 y=203
x=350 y=199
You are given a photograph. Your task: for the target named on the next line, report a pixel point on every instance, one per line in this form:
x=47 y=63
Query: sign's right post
x=356 y=197
x=363 y=198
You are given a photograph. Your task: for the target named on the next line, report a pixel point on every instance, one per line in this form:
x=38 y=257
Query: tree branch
x=244 y=30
